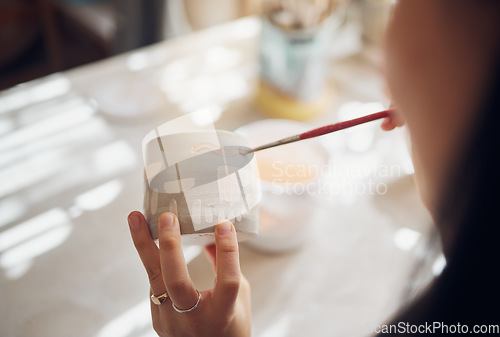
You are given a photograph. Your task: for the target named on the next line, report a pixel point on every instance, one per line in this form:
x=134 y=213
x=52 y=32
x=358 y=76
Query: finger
x=227 y=265
x=179 y=285
x=398 y=120
x=392 y=122
x=148 y=251
x=388 y=124
x=210 y=252
x=155 y=309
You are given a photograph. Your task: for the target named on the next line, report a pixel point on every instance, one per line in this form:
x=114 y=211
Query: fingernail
x=134 y=221
x=224 y=228
x=167 y=220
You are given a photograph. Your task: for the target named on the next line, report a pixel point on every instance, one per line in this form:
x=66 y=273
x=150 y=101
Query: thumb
x=227 y=265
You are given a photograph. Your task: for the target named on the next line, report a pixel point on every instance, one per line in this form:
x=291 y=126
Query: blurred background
x=39 y=37
x=83 y=81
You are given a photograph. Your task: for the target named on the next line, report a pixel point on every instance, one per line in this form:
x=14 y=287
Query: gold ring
x=183 y=311
x=158 y=300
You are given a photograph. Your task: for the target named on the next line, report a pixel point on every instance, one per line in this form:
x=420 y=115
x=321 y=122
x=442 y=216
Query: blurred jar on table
x=294 y=42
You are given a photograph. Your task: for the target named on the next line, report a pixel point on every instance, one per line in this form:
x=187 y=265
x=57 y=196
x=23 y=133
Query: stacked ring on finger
x=183 y=311
x=158 y=300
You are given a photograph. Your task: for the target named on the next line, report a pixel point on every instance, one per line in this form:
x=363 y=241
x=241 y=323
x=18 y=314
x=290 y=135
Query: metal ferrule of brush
x=277 y=143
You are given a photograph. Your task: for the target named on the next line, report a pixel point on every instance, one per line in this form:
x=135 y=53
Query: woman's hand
x=393 y=121
x=222 y=311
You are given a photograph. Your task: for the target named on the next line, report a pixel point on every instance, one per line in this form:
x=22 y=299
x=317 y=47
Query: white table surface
x=70 y=174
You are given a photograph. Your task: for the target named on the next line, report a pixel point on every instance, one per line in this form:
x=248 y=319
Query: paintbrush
x=322 y=131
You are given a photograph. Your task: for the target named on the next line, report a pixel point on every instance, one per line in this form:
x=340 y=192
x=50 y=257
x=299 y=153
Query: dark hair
x=468 y=290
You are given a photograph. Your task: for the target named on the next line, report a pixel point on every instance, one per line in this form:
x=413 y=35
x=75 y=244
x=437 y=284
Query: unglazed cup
x=203 y=177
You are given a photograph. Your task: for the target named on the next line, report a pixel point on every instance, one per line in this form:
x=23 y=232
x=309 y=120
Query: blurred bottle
x=293 y=47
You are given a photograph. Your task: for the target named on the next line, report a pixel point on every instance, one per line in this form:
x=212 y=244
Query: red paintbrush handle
x=322 y=131
x=344 y=125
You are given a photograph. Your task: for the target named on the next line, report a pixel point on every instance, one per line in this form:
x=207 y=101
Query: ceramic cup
x=203 y=178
